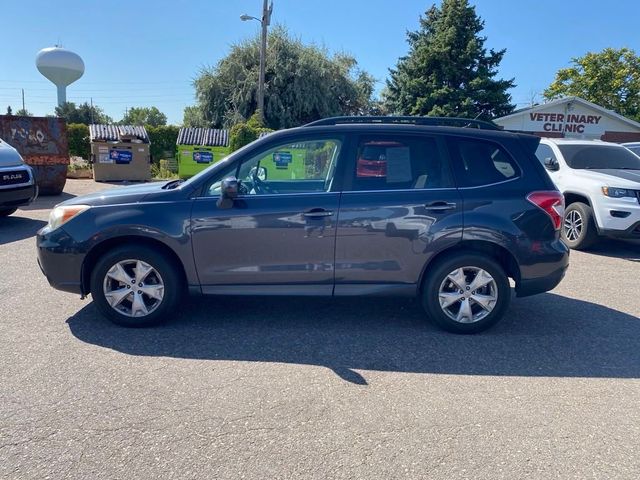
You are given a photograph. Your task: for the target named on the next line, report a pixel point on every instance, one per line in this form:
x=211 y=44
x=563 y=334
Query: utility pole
x=91 y=98
x=23 y=109
x=265 y=21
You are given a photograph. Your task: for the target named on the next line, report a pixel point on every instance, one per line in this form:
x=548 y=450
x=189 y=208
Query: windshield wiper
x=172 y=184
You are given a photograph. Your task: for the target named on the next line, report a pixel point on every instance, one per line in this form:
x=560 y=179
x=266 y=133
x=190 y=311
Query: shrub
x=78 y=137
x=163 y=141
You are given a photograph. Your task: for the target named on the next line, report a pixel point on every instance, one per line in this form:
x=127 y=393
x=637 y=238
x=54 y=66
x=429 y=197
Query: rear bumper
x=534 y=286
x=16 y=197
x=551 y=264
x=60 y=260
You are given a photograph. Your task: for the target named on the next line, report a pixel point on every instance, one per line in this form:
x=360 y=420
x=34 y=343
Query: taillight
x=552 y=202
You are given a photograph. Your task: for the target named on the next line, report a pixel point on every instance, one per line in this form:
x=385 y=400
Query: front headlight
x=615 y=192
x=61 y=215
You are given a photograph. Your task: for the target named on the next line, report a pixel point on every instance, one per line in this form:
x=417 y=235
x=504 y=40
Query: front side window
x=543 y=152
x=483 y=163
x=399 y=163
x=296 y=167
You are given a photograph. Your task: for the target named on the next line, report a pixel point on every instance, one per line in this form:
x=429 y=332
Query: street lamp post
x=264 y=22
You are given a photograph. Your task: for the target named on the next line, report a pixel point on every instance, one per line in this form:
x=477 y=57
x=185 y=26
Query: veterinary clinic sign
x=562 y=123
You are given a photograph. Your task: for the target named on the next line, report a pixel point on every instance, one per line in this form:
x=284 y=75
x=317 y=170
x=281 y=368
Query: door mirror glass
x=551 y=164
x=228 y=191
x=260 y=173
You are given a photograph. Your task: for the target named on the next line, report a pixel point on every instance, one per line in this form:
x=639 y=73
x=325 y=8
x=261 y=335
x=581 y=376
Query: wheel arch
x=109 y=244
x=495 y=251
x=574 y=197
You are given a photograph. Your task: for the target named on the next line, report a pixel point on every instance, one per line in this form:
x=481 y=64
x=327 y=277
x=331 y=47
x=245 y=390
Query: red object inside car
x=372 y=161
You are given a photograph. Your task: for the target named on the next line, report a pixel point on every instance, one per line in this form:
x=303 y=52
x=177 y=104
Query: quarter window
x=483 y=163
x=398 y=163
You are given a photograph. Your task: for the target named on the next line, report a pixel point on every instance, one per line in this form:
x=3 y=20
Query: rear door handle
x=440 y=206
x=317 y=213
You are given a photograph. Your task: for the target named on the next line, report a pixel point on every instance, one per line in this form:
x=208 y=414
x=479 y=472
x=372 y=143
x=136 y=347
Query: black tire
x=436 y=277
x=588 y=234
x=7 y=211
x=169 y=275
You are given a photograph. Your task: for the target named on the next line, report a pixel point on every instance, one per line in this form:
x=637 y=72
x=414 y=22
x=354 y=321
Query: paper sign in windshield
x=398 y=165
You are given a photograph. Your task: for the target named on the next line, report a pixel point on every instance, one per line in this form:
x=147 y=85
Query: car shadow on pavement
x=547 y=335
x=14 y=228
x=625 y=249
x=48 y=202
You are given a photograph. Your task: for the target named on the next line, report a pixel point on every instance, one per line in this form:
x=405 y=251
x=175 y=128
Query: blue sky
x=144 y=52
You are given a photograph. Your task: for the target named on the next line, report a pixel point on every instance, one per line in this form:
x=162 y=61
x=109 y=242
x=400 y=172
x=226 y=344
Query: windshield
x=599 y=157
x=635 y=149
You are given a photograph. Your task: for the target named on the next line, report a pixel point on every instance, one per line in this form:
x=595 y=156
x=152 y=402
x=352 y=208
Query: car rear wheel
x=578 y=227
x=136 y=287
x=7 y=211
x=466 y=294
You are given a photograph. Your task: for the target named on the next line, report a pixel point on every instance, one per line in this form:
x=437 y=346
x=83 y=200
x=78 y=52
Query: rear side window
x=482 y=163
x=400 y=163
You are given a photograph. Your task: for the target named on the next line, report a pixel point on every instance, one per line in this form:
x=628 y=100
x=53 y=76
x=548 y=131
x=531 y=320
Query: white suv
x=600 y=182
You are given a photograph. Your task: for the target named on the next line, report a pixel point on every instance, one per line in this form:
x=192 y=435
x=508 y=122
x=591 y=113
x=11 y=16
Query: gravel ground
x=318 y=388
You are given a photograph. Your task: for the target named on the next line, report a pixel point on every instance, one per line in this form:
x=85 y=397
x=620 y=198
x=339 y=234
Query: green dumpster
x=198 y=148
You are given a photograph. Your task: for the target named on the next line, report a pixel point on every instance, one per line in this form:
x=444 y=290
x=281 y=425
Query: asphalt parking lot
x=318 y=388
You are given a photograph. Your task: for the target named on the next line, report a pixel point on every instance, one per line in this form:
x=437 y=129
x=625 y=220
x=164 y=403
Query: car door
x=399 y=208
x=279 y=234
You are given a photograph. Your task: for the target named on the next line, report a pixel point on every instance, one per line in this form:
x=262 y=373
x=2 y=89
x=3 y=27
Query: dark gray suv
x=344 y=206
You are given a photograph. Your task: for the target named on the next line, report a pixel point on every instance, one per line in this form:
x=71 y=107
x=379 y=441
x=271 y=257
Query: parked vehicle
x=458 y=212
x=600 y=182
x=17 y=181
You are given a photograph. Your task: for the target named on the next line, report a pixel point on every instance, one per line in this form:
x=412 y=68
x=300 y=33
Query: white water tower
x=62 y=67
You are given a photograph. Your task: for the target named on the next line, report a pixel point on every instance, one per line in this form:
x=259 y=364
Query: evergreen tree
x=448 y=71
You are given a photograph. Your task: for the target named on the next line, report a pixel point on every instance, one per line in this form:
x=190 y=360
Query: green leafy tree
x=610 y=78
x=78 y=136
x=194 y=117
x=243 y=133
x=448 y=71
x=163 y=141
x=144 y=116
x=23 y=112
x=83 y=113
x=9 y=111
x=302 y=83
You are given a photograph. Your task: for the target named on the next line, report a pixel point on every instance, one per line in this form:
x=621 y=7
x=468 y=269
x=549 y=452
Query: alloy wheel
x=468 y=294
x=573 y=225
x=133 y=288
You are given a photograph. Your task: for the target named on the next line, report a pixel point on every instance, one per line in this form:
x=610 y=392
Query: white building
x=572 y=117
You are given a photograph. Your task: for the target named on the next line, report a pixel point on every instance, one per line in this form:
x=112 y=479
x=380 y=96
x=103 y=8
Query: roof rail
x=408 y=120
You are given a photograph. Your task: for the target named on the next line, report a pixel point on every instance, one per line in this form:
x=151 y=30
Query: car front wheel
x=578 y=226
x=466 y=294
x=136 y=287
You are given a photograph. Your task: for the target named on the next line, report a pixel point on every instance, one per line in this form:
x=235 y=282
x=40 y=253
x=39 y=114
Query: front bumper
x=60 y=259
x=16 y=197
x=618 y=216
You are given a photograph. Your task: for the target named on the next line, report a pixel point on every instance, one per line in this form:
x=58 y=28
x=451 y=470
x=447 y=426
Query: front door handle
x=317 y=213
x=440 y=206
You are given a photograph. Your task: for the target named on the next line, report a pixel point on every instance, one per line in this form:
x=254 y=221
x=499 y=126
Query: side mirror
x=551 y=164
x=259 y=173
x=228 y=191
